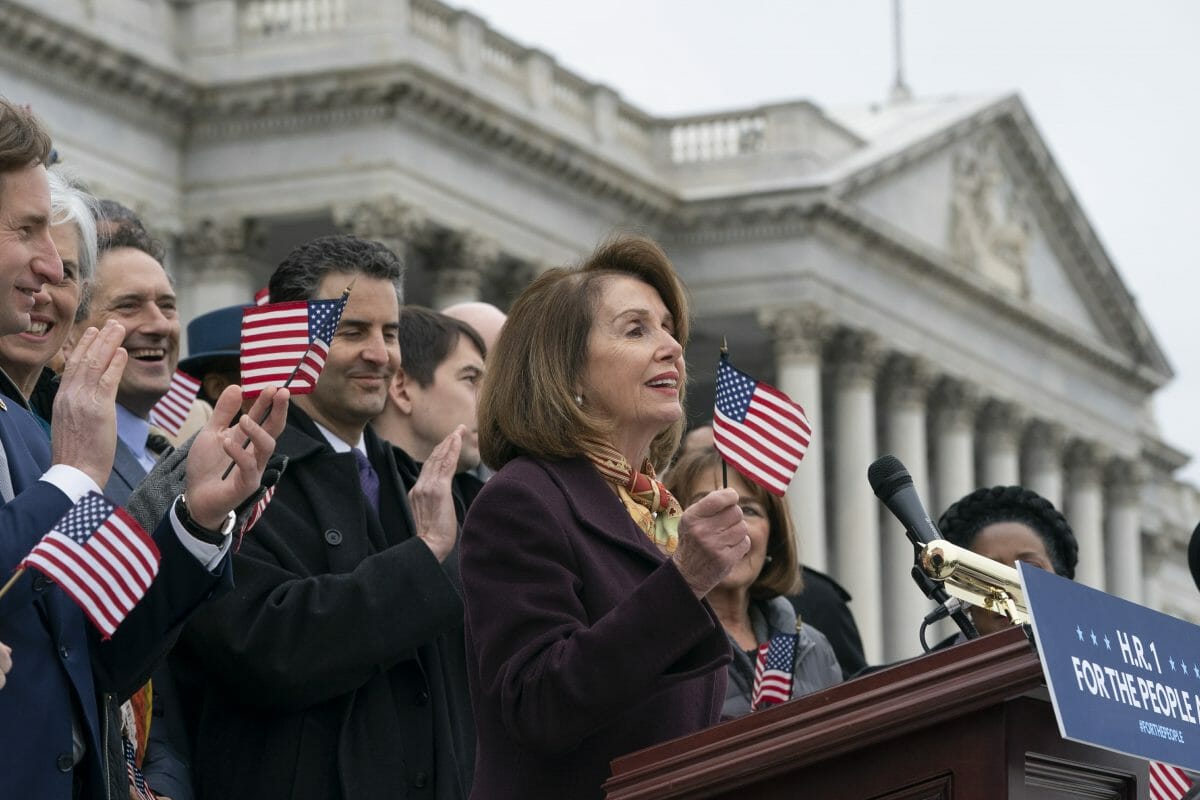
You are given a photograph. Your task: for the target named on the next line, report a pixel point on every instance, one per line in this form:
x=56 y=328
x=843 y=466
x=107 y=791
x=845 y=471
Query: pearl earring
x=579 y=400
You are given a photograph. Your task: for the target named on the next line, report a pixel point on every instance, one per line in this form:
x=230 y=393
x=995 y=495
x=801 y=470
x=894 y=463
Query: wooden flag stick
x=290 y=378
x=724 y=466
x=11 y=581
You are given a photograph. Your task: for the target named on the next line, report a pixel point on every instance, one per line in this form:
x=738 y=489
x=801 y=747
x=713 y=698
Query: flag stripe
x=1168 y=782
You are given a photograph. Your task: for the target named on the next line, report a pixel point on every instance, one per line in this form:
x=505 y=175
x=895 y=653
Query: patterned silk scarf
x=652 y=507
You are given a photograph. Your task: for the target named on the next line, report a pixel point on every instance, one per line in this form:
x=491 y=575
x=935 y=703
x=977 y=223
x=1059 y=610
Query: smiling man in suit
x=131 y=286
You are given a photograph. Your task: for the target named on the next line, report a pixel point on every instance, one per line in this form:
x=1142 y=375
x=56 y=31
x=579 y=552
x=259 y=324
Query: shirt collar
x=132 y=429
x=339 y=444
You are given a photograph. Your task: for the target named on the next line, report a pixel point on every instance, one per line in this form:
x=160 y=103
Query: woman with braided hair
x=1010 y=524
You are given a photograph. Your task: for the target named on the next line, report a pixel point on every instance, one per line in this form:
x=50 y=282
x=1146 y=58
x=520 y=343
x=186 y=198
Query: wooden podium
x=972 y=722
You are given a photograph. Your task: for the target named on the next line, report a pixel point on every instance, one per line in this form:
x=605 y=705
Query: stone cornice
x=72 y=58
x=338 y=99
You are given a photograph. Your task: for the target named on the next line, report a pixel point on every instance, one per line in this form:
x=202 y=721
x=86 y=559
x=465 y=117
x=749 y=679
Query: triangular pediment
x=984 y=195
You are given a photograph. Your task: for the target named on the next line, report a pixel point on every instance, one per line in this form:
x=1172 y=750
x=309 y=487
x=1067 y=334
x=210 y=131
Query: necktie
x=157 y=443
x=368 y=477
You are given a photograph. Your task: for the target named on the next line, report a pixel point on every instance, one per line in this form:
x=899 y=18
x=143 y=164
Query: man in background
x=436 y=388
x=131 y=287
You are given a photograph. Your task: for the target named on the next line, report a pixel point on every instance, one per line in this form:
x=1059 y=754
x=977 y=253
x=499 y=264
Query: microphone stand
x=947 y=606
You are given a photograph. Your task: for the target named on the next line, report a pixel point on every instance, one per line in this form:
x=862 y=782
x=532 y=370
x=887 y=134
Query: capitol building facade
x=917 y=273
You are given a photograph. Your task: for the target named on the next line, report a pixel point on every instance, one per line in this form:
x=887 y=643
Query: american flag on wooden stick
x=285 y=344
x=172 y=409
x=101 y=557
x=262 y=296
x=757 y=429
x=773 y=672
x=1168 y=782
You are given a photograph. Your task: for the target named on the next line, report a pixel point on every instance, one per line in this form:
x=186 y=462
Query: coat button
x=421 y=697
x=65 y=762
x=333 y=537
x=420 y=779
x=40 y=584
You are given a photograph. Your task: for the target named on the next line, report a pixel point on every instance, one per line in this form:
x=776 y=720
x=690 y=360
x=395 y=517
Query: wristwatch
x=206 y=535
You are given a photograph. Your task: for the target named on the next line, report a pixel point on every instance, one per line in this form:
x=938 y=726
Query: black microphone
x=894 y=486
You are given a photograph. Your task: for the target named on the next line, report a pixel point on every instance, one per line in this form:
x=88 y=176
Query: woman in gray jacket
x=751 y=601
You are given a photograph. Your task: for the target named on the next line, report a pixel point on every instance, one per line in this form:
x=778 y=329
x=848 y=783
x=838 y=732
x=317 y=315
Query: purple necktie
x=368 y=477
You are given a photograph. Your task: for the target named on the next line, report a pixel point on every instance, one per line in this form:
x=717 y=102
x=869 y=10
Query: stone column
x=1085 y=510
x=1043 y=460
x=1123 y=483
x=798 y=334
x=856 y=557
x=904 y=387
x=217 y=267
x=954 y=404
x=386 y=220
x=999 y=439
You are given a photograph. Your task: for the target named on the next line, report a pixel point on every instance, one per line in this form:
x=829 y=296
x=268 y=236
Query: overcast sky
x=1113 y=86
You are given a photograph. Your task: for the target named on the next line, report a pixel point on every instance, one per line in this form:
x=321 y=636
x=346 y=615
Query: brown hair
x=780 y=575
x=23 y=140
x=526 y=403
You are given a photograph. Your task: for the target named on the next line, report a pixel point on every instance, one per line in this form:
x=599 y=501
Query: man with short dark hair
x=327 y=671
x=63 y=675
x=436 y=388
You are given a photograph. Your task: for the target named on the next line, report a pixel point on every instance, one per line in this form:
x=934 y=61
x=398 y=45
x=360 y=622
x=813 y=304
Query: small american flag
x=172 y=409
x=137 y=781
x=757 y=429
x=1168 y=782
x=256 y=513
x=262 y=296
x=773 y=672
x=285 y=344
x=100 y=557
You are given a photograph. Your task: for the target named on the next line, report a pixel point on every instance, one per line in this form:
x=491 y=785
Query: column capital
x=1085 y=462
x=1044 y=437
x=384 y=219
x=907 y=380
x=801 y=329
x=855 y=356
x=459 y=261
x=1000 y=421
x=1123 y=480
x=954 y=402
x=220 y=237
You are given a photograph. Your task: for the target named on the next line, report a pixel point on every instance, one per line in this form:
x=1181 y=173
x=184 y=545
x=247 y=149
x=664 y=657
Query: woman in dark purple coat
x=588 y=635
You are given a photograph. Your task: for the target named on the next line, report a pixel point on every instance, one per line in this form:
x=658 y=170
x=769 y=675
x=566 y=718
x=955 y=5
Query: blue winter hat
x=211 y=336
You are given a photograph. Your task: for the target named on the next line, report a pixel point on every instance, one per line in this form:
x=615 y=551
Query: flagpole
x=724 y=466
x=295 y=370
x=11 y=581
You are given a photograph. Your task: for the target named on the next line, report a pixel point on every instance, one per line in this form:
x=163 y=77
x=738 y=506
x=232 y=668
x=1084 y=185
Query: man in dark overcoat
x=326 y=670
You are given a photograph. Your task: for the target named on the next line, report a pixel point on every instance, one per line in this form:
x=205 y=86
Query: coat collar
x=598 y=509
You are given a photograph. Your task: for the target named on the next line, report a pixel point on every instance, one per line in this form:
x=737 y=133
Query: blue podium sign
x=1121 y=676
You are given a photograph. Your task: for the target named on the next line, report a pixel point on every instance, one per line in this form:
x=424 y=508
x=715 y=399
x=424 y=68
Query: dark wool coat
x=325 y=668
x=583 y=641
